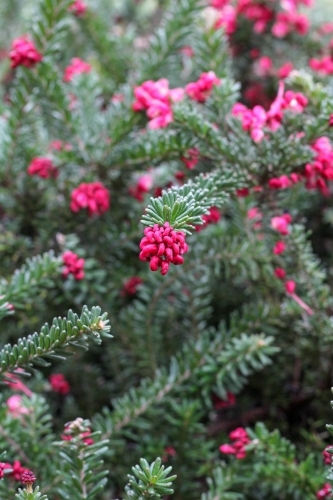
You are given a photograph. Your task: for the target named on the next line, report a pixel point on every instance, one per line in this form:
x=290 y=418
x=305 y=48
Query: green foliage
x=149 y=481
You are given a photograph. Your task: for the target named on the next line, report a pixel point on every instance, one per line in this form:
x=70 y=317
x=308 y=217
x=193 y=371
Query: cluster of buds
x=24 y=53
x=42 y=167
x=78 y=428
x=73 y=265
x=28 y=478
x=240 y=439
x=162 y=246
x=327 y=457
x=92 y=196
x=76 y=67
x=200 y=90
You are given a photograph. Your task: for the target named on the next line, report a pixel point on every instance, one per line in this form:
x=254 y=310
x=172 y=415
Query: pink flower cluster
x=259 y=13
x=212 y=217
x=77 y=429
x=76 y=67
x=78 y=8
x=201 y=89
x=320 y=170
x=24 y=53
x=327 y=457
x=16 y=469
x=323 y=65
x=288 y=22
x=264 y=67
x=162 y=246
x=92 y=196
x=324 y=492
x=240 y=439
x=73 y=265
x=42 y=167
x=156 y=99
x=254 y=120
x=227 y=19
x=131 y=285
x=59 y=383
x=191 y=158
x=143 y=186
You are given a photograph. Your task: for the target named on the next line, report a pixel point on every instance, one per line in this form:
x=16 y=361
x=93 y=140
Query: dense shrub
x=213 y=120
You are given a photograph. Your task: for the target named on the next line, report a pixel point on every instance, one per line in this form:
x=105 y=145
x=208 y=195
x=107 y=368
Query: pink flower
x=156 y=99
x=285 y=70
x=200 y=90
x=281 y=224
x=24 y=53
x=227 y=449
x=279 y=247
x=212 y=217
x=76 y=67
x=282 y=182
x=227 y=19
x=14 y=404
x=191 y=158
x=78 y=8
x=162 y=246
x=143 y=186
x=16 y=470
x=16 y=384
x=253 y=213
x=265 y=64
x=73 y=265
x=290 y=286
x=242 y=193
x=280 y=273
x=169 y=451
x=42 y=167
x=72 y=430
x=286 y=22
x=238 y=434
x=323 y=65
x=59 y=383
x=295 y=101
x=91 y=196
x=131 y=285
x=218 y=4
x=327 y=457
x=325 y=492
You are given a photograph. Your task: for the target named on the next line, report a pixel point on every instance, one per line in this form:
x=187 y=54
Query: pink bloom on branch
x=281 y=223
x=131 y=285
x=218 y=4
x=201 y=89
x=327 y=457
x=15 y=407
x=16 y=470
x=16 y=384
x=324 y=492
x=59 y=383
x=285 y=70
x=91 y=196
x=143 y=186
x=280 y=273
x=191 y=158
x=24 y=53
x=227 y=449
x=282 y=182
x=76 y=67
x=162 y=246
x=73 y=265
x=78 y=8
x=227 y=19
x=42 y=167
x=279 y=247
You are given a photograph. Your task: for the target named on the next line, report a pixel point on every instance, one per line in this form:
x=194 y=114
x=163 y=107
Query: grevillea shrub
x=166 y=169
